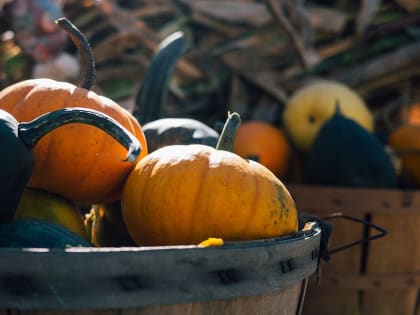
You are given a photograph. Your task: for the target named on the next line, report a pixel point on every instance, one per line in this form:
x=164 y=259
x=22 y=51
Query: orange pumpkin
x=184 y=194
x=80 y=162
x=405 y=143
x=411 y=114
x=265 y=143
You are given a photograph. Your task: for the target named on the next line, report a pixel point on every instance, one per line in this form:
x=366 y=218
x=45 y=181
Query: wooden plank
x=330 y=301
x=355 y=200
x=323 y=201
x=281 y=302
x=391 y=285
x=327 y=301
x=398 y=252
x=371 y=281
x=386 y=302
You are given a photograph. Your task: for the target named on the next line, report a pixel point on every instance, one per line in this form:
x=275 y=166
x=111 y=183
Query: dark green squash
x=345 y=154
x=169 y=131
x=18 y=139
x=37 y=233
x=151 y=97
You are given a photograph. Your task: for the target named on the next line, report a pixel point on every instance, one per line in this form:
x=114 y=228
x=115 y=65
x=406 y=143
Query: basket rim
x=104 y=278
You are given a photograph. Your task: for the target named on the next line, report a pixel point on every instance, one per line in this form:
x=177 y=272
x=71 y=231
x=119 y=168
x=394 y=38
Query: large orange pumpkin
x=184 y=194
x=79 y=162
x=264 y=143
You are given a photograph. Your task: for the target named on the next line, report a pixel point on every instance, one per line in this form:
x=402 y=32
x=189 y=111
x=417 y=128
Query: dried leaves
x=409 y=5
x=250 y=55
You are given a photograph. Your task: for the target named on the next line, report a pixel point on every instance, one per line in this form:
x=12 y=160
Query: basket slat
x=386 y=280
x=399 y=252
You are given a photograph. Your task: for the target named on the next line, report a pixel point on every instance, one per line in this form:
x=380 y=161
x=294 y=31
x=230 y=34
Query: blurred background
x=247 y=56
x=252 y=57
x=243 y=55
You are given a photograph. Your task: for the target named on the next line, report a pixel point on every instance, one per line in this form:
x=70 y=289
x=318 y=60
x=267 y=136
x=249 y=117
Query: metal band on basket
x=99 y=278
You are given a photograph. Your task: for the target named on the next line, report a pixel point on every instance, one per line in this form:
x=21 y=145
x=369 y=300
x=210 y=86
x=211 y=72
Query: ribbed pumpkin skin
x=184 y=194
x=76 y=161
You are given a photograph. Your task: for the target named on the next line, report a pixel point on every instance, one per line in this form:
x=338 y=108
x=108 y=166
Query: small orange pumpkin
x=411 y=114
x=79 y=162
x=184 y=194
x=405 y=143
x=265 y=143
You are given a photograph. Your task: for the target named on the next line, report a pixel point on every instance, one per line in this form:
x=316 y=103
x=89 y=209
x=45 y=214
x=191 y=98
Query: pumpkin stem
x=88 y=73
x=337 y=110
x=31 y=132
x=228 y=134
x=154 y=88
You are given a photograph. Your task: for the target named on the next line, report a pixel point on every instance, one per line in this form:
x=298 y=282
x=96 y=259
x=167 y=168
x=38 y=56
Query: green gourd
x=346 y=154
x=151 y=97
x=38 y=233
x=18 y=139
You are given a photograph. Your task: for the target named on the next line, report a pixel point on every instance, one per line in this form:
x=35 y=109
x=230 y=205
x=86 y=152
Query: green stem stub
x=31 y=132
x=228 y=134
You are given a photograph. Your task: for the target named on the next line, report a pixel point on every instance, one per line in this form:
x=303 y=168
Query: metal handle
x=338 y=215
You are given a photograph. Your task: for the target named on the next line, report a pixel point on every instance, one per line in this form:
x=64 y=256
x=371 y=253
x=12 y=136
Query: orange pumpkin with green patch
x=184 y=194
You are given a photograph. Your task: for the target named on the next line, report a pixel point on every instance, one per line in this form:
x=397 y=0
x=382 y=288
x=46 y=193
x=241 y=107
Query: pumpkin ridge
x=87 y=176
x=37 y=94
x=19 y=108
x=145 y=201
x=12 y=97
x=253 y=208
x=138 y=133
x=193 y=218
x=47 y=145
x=18 y=105
x=126 y=203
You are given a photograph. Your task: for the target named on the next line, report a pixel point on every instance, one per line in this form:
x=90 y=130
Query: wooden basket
x=378 y=277
x=254 y=277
